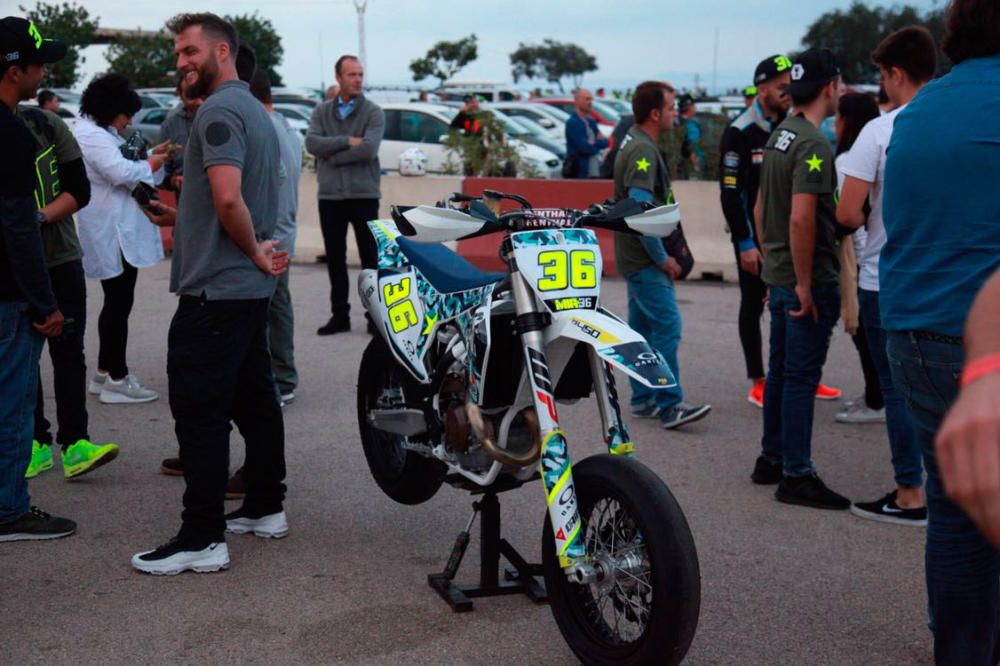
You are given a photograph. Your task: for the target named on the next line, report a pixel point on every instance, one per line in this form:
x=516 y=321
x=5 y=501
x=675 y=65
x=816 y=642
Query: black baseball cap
x=768 y=68
x=22 y=44
x=811 y=71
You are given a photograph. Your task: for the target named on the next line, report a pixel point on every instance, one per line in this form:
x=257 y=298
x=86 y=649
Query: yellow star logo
x=815 y=163
x=642 y=164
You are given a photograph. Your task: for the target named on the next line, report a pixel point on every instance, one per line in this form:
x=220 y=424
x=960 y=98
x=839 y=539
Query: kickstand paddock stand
x=522 y=579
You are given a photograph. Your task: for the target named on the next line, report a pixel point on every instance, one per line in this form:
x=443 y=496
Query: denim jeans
x=20 y=349
x=963 y=569
x=281 y=336
x=902 y=440
x=219 y=370
x=798 y=352
x=653 y=314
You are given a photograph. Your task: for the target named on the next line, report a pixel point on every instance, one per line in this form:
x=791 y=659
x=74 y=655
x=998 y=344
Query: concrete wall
x=704 y=224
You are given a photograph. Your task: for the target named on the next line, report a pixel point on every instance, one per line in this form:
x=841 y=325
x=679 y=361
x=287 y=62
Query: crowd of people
x=894 y=232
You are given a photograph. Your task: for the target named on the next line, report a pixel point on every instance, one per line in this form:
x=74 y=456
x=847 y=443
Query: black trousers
x=69 y=368
x=112 y=325
x=873 y=391
x=219 y=371
x=752 y=293
x=334 y=218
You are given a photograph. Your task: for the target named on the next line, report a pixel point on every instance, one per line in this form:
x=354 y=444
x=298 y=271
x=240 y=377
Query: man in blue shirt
x=583 y=140
x=941 y=210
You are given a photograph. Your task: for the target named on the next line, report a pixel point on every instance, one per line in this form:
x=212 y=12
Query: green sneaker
x=41 y=459
x=85 y=456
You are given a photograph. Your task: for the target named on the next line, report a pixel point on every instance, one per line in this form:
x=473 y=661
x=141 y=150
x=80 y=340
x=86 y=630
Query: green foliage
x=259 y=33
x=445 y=59
x=489 y=154
x=71 y=23
x=552 y=61
x=147 y=61
x=853 y=34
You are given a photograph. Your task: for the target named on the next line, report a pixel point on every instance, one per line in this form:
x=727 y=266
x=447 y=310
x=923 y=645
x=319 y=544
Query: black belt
x=937 y=337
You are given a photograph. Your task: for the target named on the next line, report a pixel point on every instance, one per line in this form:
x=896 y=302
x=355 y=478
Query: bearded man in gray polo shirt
x=224 y=269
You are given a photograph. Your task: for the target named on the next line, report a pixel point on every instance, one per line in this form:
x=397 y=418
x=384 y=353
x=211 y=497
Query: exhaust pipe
x=484 y=433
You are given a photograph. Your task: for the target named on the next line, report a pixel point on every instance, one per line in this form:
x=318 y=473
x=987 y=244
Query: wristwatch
x=41 y=217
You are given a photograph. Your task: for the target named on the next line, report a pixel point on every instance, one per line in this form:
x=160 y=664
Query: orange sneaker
x=825 y=392
x=756 y=395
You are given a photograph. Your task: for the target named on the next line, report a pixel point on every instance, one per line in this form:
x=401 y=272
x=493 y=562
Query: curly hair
x=107 y=96
x=972 y=30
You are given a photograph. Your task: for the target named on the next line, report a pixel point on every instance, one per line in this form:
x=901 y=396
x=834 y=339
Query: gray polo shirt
x=231 y=128
x=288 y=194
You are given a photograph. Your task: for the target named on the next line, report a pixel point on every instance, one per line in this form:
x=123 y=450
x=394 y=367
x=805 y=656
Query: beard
x=206 y=75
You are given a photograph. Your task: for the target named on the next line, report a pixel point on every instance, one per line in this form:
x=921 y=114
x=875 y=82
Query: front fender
x=615 y=342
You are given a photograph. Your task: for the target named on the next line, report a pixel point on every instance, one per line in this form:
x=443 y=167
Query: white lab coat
x=112 y=224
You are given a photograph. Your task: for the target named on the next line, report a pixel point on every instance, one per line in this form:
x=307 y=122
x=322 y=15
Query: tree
x=146 y=61
x=259 y=33
x=445 y=59
x=553 y=61
x=71 y=23
x=853 y=34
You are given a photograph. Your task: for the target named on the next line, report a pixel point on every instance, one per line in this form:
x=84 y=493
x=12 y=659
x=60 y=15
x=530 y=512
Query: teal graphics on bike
x=563 y=266
x=643 y=360
x=561 y=498
x=618 y=440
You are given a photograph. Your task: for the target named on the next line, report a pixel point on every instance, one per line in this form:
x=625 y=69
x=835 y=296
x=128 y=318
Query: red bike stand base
x=521 y=580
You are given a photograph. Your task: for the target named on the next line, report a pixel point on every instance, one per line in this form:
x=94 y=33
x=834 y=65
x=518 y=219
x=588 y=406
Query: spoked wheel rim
x=618 y=607
x=389 y=447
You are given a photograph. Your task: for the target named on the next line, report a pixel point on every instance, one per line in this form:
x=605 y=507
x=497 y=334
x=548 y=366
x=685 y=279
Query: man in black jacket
x=742 y=153
x=28 y=308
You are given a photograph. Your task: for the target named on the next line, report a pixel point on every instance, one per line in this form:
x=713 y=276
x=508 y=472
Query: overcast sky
x=632 y=39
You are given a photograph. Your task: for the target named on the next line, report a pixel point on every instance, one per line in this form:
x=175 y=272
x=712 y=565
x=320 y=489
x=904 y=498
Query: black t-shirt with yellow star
x=798 y=159
x=638 y=164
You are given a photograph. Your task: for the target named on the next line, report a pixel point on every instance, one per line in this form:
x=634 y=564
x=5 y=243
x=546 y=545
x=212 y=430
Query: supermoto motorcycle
x=462 y=386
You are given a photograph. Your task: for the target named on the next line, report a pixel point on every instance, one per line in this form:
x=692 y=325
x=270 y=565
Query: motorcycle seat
x=445 y=269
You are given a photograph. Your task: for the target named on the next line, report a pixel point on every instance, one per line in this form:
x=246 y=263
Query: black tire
x=403 y=475
x=670 y=580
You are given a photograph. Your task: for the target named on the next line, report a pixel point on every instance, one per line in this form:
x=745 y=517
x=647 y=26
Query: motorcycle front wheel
x=644 y=609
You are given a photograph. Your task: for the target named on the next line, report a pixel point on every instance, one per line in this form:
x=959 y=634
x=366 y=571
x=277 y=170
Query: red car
x=605 y=116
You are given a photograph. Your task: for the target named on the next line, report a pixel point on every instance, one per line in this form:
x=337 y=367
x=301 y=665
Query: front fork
x=556 y=469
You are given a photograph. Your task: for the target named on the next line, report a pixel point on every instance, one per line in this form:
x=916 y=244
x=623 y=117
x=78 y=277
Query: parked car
x=298 y=116
x=605 y=116
x=296 y=96
x=69 y=112
x=426 y=126
x=528 y=131
x=548 y=117
x=148 y=121
x=488 y=91
x=621 y=106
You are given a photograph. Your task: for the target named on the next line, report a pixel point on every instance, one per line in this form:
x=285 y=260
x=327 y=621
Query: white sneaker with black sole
x=683 y=413
x=96 y=383
x=886 y=510
x=273 y=526
x=126 y=390
x=859 y=413
x=176 y=557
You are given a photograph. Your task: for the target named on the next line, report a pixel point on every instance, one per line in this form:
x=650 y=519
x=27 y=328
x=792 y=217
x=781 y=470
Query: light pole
x=360 y=6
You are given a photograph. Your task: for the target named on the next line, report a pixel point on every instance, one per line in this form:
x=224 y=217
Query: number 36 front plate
x=563 y=266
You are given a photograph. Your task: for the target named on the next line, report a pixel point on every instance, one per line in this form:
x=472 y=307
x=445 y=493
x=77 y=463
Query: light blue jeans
x=653 y=313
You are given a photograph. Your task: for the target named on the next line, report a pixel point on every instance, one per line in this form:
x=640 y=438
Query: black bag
x=570 y=166
x=677 y=247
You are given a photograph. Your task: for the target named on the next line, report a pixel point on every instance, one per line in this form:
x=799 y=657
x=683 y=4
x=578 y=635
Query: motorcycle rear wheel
x=646 y=610
x=402 y=474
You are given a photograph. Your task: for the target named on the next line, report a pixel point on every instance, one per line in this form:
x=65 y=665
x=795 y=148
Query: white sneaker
x=125 y=391
x=173 y=558
x=859 y=412
x=274 y=526
x=97 y=383
x=287 y=398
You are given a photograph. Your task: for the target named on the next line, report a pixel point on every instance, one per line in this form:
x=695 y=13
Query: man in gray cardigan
x=344 y=136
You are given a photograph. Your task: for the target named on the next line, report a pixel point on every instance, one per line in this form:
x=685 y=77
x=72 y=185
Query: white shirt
x=112 y=224
x=859 y=237
x=866 y=161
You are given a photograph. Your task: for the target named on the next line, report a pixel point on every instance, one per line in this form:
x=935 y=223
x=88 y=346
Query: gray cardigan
x=345 y=172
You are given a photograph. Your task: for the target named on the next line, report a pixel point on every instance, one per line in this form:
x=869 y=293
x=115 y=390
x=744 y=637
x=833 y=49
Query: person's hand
x=157 y=160
x=968 y=454
x=161 y=149
x=52 y=326
x=355 y=141
x=671 y=268
x=751 y=261
x=806 y=306
x=160 y=214
x=270 y=260
x=177 y=181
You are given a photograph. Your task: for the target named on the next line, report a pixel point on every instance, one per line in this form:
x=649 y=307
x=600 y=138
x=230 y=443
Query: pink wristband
x=980 y=368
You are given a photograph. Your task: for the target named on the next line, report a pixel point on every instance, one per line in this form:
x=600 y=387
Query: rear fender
x=615 y=342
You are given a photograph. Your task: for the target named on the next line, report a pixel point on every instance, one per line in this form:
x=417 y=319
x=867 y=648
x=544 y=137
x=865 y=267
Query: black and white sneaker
x=810 y=491
x=886 y=510
x=273 y=526
x=177 y=556
x=36 y=525
x=683 y=413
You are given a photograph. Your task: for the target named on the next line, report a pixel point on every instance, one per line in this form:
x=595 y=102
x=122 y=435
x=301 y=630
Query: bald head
x=584 y=100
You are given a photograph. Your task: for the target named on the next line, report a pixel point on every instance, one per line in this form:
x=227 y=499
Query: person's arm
x=802 y=238
x=733 y=167
x=758 y=219
x=103 y=157
x=75 y=192
x=234 y=216
x=654 y=246
x=968 y=444
x=859 y=166
x=318 y=144
x=850 y=209
x=366 y=148
x=576 y=137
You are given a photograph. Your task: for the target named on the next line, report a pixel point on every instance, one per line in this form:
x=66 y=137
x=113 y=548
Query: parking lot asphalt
x=780 y=584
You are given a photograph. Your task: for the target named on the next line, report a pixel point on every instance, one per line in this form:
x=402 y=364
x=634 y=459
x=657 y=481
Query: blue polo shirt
x=941 y=203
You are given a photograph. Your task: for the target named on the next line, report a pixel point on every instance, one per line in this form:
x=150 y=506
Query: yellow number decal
x=553 y=263
x=584 y=271
x=395 y=292
x=402 y=316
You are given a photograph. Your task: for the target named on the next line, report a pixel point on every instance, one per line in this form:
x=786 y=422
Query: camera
x=134 y=148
